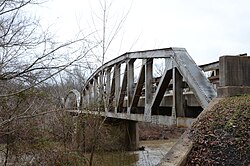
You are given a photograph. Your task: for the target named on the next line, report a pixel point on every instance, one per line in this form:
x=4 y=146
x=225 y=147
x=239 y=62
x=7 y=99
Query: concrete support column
x=87 y=96
x=95 y=92
x=179 y=94
x=101 y=89
x=90 y=93
x=132 y=135
x=107 y=89
x=84 y=100
x=127 y=132
x=148 y=88
x=117 y=71
x=174 y=122
x=130 y=82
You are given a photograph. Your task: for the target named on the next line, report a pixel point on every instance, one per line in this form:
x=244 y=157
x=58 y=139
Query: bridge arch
x=73 y=100
x=113 y=88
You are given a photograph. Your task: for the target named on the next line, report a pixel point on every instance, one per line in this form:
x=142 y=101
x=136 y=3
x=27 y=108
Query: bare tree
x=106 y=32
x=27 y=53
x=29 y=59
x=107 y=26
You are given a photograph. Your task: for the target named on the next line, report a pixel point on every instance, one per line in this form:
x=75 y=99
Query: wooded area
x=36 y=72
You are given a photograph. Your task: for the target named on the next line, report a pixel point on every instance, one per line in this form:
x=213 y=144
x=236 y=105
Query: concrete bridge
x=130 y=89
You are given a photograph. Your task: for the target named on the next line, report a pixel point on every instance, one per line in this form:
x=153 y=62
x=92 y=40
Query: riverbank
x=149 y=131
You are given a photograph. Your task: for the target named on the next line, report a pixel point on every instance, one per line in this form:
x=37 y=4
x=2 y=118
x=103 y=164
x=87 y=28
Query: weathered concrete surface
x=227 y=91
x=107 y=90
x=132 y=135
x=167 y=100
x=156 y=119
x=234 y=71
x=234 y=76
x=178 y=153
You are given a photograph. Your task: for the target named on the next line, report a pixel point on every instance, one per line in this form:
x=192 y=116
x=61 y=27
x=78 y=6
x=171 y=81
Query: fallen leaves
x=222 y=136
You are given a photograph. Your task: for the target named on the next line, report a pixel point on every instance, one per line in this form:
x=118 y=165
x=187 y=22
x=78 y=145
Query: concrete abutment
x=234 y=76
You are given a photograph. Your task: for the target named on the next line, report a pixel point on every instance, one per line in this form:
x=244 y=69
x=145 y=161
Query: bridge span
x=127 y=87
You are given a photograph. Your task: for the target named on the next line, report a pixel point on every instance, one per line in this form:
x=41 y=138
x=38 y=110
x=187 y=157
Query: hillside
x=222 y=135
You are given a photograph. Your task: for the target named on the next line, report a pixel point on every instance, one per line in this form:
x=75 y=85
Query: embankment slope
x=219 y=136
x=222 y=135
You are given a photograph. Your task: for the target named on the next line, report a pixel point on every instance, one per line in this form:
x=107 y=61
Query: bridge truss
x=123 y=89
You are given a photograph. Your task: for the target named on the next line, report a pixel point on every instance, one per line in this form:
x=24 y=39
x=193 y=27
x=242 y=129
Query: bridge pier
x=118 y=134
x=132 y=135
x=129 y=133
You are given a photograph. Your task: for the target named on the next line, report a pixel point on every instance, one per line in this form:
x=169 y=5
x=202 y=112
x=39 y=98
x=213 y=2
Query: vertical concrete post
x=130 y=82
x=179 y=94
x=132 y=135
x=90 y=93
x=100 y=87
x=148 y=88
x=117 y=71
x=107 y=89
x=87 y=96
x=174 y=122
x=84 y=100
x=95 y=92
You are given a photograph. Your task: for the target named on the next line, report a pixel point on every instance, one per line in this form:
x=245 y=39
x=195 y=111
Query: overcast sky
x=206 y=28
